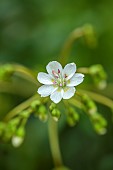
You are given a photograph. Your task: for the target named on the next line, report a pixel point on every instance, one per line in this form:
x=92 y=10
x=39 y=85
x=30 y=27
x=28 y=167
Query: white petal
x=53 y=66
x=56 y=96
x=68 y=92
x=44 y=78
x=75 y=80
x=69 y=70
x=46 y=90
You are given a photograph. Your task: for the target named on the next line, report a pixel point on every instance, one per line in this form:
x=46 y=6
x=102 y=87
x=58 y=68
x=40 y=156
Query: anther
x=65 y=76
x=58 y=71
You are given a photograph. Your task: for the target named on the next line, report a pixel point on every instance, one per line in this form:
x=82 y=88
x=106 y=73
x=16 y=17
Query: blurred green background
x=32 y=33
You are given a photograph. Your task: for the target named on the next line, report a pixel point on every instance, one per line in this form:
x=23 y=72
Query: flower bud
x=35 y=104
x=99 y=123
x=89 y=35
x=89 y=104
x=6 y=71
x=72 y=117
x=56 y=114
x=17 y=141
x=18 y=137
x=52 y=106
x=25 y=113
x=42 y=113
x=99 y=75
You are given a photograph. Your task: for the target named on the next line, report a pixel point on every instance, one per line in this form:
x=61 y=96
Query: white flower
x=59 y=83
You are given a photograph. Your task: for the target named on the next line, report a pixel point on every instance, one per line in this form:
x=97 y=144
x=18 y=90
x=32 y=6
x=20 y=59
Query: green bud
x=17 y=141
x=10 y=128
x=6 y=71
x=56 y=114
x=89 y=35
x=89 y=104
x=20 y=132
x=14 y=122
x=35 y=104
x=99 y=129
x=72 y=117
x=18 y=137
x=42 y=109
x=25 y=113
x=52 y=106
x=43 y=117
x=42 y=113
x=99 y=123
x=99 y=75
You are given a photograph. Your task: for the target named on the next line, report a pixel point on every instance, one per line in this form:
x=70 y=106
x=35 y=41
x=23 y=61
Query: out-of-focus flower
x=59 y=83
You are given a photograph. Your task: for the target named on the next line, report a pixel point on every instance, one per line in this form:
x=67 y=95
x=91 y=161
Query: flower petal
x=46 y=90
x=53 y=66
x=75 y=80
x=56 y=96
x=68 y=92
x=44 y=78
x=69 y=70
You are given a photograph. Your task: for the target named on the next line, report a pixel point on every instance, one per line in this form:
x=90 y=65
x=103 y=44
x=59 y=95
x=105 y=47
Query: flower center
x=59 y=80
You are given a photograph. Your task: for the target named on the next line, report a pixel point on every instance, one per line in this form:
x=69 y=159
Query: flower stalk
x=86 y=31
x=54 y=142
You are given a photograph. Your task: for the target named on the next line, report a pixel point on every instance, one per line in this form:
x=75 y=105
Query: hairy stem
x=54 y=142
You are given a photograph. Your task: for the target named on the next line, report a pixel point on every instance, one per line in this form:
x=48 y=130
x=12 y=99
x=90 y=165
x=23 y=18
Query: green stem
x=54 y=142
x=19 y=108
x=83 y=70
x=75 y=35
x=25 y=73
x=76 y=103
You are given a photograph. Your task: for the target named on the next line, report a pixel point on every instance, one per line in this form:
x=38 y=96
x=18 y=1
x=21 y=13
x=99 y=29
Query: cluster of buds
x=98 y=75
x=55 y=113
x=12 y=130
x=72 y=116
x=98 y=121
x=39 y=110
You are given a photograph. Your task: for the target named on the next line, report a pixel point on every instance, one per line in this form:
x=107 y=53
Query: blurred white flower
x=59 y=83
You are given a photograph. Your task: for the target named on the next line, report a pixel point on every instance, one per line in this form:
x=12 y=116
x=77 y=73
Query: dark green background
x=32 y=32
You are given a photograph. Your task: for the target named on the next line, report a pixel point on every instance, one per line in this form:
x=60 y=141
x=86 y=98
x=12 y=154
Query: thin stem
x=76 y=103
x=19 y=108
x=83 y=70
x=99 y=98
x=25 y=72
x=16 y=88
x=54 y=142
x=75 y=35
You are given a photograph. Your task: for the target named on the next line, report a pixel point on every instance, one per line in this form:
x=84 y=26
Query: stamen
x=55 y=74
x=58 y=71
x=65 y=76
